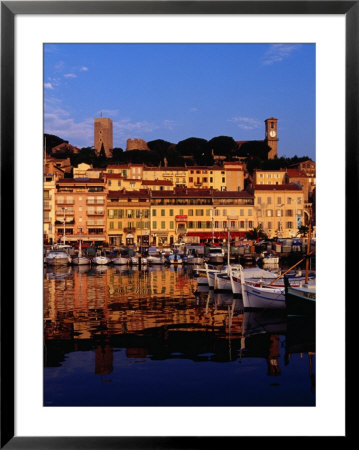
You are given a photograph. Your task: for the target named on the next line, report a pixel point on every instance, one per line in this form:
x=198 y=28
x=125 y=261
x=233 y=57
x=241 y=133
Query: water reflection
x=157 y=315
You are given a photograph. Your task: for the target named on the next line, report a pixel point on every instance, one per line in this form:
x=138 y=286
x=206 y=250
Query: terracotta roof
x=296 y=173
x=157 y=182
x=142 y=193
x=276 y=187
x=80 y=181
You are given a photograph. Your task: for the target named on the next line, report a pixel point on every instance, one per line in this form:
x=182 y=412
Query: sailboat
x=80 y=259
x=300 y=300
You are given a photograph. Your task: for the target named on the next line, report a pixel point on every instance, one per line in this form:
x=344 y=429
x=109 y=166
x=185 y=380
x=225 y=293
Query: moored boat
x=120 y=261
x=216 y=255
x=175 y=258
x=300 y=300
x=101 y=259
x=57 y=257
x=80 y=259
x=137 y=260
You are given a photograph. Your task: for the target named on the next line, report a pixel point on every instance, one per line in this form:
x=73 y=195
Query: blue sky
x=177 y=91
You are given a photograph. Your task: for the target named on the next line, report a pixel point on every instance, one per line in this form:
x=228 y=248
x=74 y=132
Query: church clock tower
x=272 y=136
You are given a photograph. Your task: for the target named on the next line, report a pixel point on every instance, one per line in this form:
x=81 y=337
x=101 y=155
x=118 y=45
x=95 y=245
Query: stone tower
x=271 y=137
x=103 y=134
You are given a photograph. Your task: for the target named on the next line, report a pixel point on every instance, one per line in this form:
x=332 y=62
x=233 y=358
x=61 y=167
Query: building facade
x=80 y=210
x=279 y=209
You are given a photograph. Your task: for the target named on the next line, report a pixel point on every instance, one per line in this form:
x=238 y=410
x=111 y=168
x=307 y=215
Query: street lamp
x=213 y=209
x=64 y=210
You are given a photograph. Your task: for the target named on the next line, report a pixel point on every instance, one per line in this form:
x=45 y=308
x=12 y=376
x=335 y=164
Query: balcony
x=129 y=230
x=64 y=201
x=96 y=201
x=47 y=206
x=95 y=223
x=96 y=213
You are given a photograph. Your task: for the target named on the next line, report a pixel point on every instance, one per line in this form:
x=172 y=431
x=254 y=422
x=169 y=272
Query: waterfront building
x=279 y=209
x=49 y=186
x=103 y=135
x=80 y=210
x=128 y=218
x=204 y=214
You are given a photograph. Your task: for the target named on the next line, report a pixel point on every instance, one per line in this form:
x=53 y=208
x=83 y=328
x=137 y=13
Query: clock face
x=272 y=133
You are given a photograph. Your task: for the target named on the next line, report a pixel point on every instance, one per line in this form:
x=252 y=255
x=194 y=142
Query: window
x=269 y=225
x=279 y=200
x=119 y=225
x=163 y=225
x=199 y=212
x=241 y=212
x=171 y=212
x=289 y=213
x=208 y=212
x=259 y=200
x=250 y=224
x=112 y=226
x=190 y=212
x=279 y=213
x=269 y=200
x=154 y=213
x=172 y=225
x=250 y=212
x=119 y=183
x=269 y=212
x=154 y=225
x=241 y=224
x=163 y=212
x=289 y=225
x=216 y=224
x=181 y=212
x=223 y=179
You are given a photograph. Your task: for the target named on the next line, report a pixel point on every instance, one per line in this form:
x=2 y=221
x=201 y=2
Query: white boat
x=192 y=259
x=121 y=261
x=252 y=274
x=58 y=258
x=262 y=297
x=80 y=259
x=216 y=255
x=210 y=273
x=101 y=260
x=175 y=258
x=136 y=260
x=222 y=280
x=156 y=259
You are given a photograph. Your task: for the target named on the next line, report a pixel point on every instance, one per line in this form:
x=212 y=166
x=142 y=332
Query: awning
x=216 y=234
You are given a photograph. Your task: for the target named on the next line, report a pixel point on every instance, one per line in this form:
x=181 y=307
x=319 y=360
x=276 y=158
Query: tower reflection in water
x=157 y=314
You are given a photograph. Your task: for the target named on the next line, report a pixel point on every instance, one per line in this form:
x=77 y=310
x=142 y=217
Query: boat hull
x=101 y=260
x=222 y=283
x=263 y=298
x=299 y=302
x=120 y=261
x=81 y=261
x=60 y=261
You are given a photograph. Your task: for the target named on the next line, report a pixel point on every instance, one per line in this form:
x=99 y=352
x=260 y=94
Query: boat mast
x=308 y=249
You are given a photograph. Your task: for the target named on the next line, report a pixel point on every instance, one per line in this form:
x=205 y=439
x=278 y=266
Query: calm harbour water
x=126 y=337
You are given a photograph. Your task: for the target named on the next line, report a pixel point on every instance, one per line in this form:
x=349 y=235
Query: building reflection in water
x=156 y=313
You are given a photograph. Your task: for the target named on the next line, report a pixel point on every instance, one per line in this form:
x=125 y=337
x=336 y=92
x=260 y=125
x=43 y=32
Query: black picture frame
x=9 y=9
